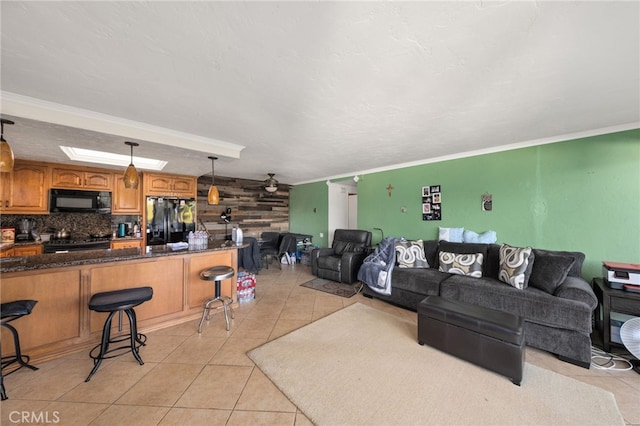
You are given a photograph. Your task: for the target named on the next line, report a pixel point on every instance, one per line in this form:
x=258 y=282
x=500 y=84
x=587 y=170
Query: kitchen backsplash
x=79 y=224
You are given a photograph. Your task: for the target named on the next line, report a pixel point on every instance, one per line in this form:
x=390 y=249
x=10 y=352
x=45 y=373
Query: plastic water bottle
x=239 y=236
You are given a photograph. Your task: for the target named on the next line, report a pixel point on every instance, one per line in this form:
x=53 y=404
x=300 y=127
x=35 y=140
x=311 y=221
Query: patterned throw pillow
x=461 y=264
x=515 y=265
x=410 y=254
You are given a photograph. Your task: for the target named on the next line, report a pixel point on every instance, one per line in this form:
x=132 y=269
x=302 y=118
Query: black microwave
x=78 y=201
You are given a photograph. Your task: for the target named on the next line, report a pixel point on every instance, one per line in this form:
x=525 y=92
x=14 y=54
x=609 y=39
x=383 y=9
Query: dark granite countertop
x=88 y=257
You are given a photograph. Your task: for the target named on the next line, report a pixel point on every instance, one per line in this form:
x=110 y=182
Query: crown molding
x=50 y=112
x=535 y=142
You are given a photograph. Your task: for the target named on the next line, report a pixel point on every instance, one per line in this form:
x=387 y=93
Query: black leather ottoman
x=485 y=337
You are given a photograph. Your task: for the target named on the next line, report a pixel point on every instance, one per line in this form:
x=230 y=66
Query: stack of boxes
x=246 y=287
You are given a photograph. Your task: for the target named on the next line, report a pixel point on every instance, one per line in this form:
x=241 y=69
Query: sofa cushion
x=410 y=254
x=431 y=252
x=576 y=269
x=451 y=234
x=550 y=270
x=577 y=289
x=462 y=264
x=492 y=261
x=534 y=305
x=515 y=265
x=420 y=281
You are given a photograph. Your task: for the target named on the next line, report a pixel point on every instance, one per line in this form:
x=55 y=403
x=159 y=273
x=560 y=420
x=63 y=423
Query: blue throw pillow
x=488 y=237
x=453 y=235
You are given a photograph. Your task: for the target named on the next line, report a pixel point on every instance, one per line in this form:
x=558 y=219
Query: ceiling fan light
x=271 y=184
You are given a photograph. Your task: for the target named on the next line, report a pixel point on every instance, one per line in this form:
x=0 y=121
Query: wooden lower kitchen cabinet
x=126 y=243
x=199 y=290
x=163 y=275
x=7 y=252
x=61 y=322
x=54 y=322
x=28 y=250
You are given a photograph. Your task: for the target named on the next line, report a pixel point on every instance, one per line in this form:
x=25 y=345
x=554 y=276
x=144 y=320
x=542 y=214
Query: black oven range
x=65 y=246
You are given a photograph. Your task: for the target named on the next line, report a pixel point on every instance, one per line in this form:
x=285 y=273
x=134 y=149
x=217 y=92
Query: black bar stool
x=217 y=274
x=11 y=311
x=119 y=301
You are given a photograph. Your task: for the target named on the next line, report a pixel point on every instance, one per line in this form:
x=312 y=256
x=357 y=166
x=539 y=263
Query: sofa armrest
x=351 y=263
x=578 y=289
x=315 y=254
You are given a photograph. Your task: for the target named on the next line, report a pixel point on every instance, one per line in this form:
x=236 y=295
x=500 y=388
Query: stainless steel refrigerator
x=169 y=220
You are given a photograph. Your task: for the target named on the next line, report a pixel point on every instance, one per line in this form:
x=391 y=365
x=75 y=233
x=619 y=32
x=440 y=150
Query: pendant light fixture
x=213 y=197
x=271 y=185
x=6 y=153
x=131 y=178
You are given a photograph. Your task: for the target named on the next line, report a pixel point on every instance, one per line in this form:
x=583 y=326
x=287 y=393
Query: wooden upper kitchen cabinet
x=126 y=200
x=25 y=189
x=82 y=178
x=170 y=185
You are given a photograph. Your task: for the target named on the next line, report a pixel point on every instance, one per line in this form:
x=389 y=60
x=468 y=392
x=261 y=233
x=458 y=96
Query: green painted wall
x=309 y=211
x=579 y=195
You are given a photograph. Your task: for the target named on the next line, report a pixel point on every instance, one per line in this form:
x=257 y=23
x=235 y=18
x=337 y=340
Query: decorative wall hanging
x=431 y=203
x=487 y=202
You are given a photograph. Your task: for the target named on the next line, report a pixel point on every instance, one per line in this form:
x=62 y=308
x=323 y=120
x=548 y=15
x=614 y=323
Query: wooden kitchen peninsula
x=62 y=284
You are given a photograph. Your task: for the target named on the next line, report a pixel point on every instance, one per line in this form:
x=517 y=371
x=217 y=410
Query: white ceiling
x=312 y=90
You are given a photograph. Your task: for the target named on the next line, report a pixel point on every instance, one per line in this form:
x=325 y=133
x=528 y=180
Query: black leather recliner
x=342 y=261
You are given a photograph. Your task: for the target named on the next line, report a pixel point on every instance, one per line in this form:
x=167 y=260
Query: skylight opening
x=101 y=157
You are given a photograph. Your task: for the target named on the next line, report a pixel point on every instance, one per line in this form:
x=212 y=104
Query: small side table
x=609 y=300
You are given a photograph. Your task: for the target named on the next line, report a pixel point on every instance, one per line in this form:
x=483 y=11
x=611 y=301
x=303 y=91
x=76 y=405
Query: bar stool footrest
x=141 y=340
x=11 y=359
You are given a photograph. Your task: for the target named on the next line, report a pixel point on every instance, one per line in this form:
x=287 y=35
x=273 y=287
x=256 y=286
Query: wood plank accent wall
x=253 y=209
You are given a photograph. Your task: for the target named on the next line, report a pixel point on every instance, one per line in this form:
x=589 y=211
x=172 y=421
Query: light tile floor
x=197 y=379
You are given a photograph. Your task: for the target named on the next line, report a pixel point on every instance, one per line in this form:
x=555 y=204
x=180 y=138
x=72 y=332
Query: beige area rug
x=361 y=366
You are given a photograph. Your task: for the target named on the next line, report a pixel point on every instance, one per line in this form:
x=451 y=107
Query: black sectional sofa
x=557 y=319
